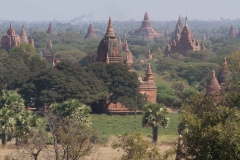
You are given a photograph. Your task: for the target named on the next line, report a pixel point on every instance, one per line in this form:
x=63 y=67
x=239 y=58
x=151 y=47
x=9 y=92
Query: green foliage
x=211 y=131
x=165 y=94
x=23 y=48
x=72 y=109
x=122 y=85
x=195 y=72
x=65 y=81
x=136 y=148
x=72 y=55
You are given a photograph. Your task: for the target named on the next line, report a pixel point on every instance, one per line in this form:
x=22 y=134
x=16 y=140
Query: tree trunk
x=4 y=138
x=155 y=133
x=35 y=156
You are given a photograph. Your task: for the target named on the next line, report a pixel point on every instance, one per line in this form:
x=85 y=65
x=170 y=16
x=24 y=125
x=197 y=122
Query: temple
x=129 y=53
x=90 y=32
x=109 y=48
x=149 y=55
x=213 y=88
x=23 y=36
x=50 y=29
x=49 y=44
x=223 y=73
x=216 y=86
x=178 y=29
x=232 y=31
x=11 y=39
x=146 y=29
x=148 y=87
x=182 y=43
x=50 y=57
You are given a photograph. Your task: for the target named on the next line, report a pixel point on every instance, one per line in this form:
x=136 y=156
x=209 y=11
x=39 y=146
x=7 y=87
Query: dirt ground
x=98 y=152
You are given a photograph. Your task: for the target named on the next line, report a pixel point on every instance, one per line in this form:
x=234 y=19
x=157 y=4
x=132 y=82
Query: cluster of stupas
x=12 y=39
x=218 y=85
x=146 y=29
x=183 y=40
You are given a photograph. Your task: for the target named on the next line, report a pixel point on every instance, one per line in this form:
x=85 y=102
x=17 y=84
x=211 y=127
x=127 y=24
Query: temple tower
x=178 y=29
x=146 y=29
x=50 y=29
x=10 y=39
x=232 y=31
x=149 y=55
x=31 y=41
x=213 y=87
x=129 y=53
x=23 y=36
x=109 y=45
x=222 y=75
x=185 y=43
x=49 y=44
x=148 y=87
x=90 y=32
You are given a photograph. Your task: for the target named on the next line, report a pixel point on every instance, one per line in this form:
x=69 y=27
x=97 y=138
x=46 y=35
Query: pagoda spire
x=149 y=55
x=126 y=48
x=110 y=32
x=10 y=26
x=90 y=32
x=50 y=29
x=186 y=24
x=146 y=17
x=213 y=87
x=149 y=75
x=23 y=35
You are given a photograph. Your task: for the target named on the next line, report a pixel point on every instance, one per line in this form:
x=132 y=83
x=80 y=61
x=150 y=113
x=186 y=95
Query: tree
x=154 y=115
x=136 y=148
x=63 y=82
x=122 y=85
x=36 y=142
x=7 y=123
x=69 y=126
x=211 y=131
x=11 y=104
x=165 y=94
x=72 y=109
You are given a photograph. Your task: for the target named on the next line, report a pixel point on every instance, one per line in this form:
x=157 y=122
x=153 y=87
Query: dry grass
x=99 y=152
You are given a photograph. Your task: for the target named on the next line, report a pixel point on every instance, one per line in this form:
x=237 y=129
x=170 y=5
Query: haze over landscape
x=120 y=79
x=159 y=10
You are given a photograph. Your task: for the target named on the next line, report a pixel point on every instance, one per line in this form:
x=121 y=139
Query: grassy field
x=116 y=124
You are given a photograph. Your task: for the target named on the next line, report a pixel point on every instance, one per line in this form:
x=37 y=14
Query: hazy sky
x=163 y=10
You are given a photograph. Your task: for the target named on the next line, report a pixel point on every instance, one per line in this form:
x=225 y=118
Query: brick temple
x=12 y=39
x=90 y=32
x=50 y=29
x=109 y=49
x=146 y=29
x=182 y=43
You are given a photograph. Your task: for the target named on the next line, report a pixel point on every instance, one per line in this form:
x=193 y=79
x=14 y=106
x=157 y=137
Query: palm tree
x=12 y=100
x=7 y=123
x=154 y=115
x=11 y=104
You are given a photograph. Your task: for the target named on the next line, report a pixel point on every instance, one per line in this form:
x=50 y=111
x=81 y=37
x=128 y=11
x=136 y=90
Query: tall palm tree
x=11 y=104
x=7 y=123
x=154 y=115
x=12 y=100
